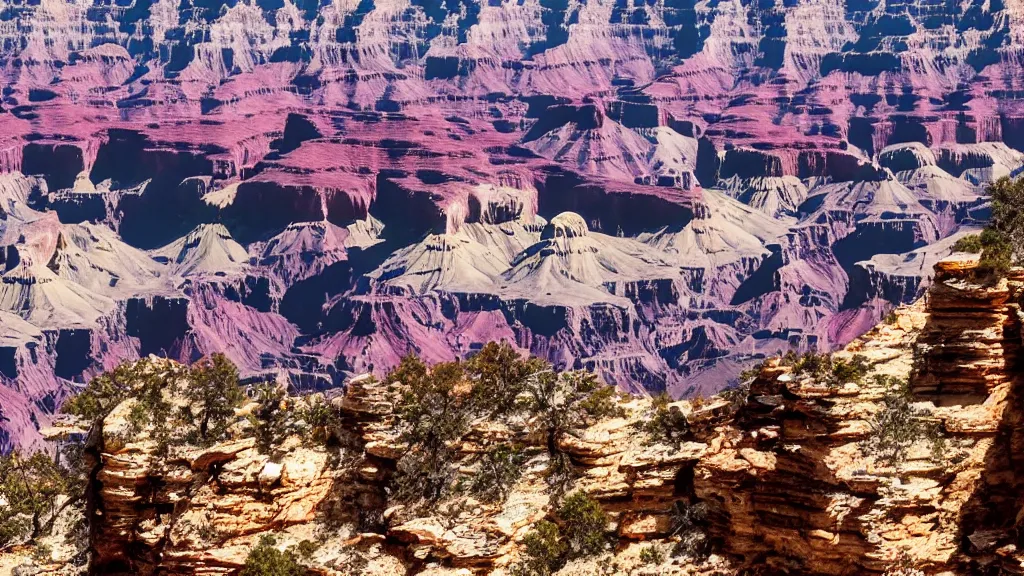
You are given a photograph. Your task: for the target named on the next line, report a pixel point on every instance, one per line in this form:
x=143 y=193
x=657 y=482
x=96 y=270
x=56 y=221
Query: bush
x=688 y=523
x=266 y=560
x=737 y=395
x=435 y=408
x=34 y=490
x=213 y=394
x=424 y=478
x=42 y=554
x=998 y=253
x=1001 y=243
x=210 y=389
x=750 y=374
x=543 y=553
x=827 y=369
x=583 y=524
x=665 y=425
x=306 y=549
x=564 y=404
x=144 y=380
x=278 y=416
x=439 y=405
x=499 y=469
x=652 y=555
x=549 y=546
x=319 y=419
x=970 y=243
x=898 y=425
x=500 y=375
x=435 y=411
x=273 y=420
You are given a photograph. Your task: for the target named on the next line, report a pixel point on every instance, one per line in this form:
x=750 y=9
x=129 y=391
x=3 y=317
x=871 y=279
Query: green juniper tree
x=439 y=405
x=212 y=396
x=583 y=523
x=563 y=404
x=544 y=551
x=144 y=381
x=434 y=413
x=34 y=490
x=266 y=560
x=579 y=533
x=1001 y=243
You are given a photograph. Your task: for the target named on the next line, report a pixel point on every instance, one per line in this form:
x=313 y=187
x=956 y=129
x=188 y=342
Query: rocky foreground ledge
x=790 y=474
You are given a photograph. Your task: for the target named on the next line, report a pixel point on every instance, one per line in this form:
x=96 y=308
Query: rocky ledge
x=803 y=471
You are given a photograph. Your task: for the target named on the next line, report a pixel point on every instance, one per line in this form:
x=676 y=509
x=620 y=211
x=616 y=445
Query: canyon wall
x=318 y=188
x=787 y=472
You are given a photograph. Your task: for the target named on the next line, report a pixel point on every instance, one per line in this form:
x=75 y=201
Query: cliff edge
x=896 y=455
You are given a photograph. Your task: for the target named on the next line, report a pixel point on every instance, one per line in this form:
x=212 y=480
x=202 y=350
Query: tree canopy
x=1001 y=243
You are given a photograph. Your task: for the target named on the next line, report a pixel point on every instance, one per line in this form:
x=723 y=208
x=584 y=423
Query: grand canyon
x=662 y=192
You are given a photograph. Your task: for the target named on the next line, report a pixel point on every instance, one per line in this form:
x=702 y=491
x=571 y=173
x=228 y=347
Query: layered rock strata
x=785 y=470
x=319 y=188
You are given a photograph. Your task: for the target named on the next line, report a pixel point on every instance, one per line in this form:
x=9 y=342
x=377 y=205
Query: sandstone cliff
x=788 y=475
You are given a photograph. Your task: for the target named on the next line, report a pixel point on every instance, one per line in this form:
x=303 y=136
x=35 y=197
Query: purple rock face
x=659 y=191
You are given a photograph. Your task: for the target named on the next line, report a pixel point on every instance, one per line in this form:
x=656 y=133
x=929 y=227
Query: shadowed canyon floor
x=660 y=192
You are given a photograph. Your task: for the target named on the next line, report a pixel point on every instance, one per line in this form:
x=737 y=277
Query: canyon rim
x=661 y=192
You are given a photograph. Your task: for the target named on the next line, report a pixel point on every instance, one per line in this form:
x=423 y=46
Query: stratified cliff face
x=319 y=188
x=788 y=473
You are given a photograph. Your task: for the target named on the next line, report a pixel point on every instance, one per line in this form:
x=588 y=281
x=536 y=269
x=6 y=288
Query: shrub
x=434 y=412
x=828 y=369
x=848 y=371
x=144 y=380
x=272 y=419
x=34 y=490
x=500 y=375
x=207 y=530
x=499 y=469
x=213 y=394
x=898 y=425
x=210 y=389
x=652 y=555
x=279 y=415
x=266 y=560
x=750 y=374
x=583 y=524
x=42 y=554
x=318 y=417
x=688 y=523
x=549 y=546
x=1001 y=243
x=998 y=253
x=439 y=404
x=698 y=401
x=664 y=424
x=306 y=549
x=564 y=404
x=736 y=396
x=433 y=408
x=970 y=243
x=543 y=553
x=1008 y=210
x=424 y=478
